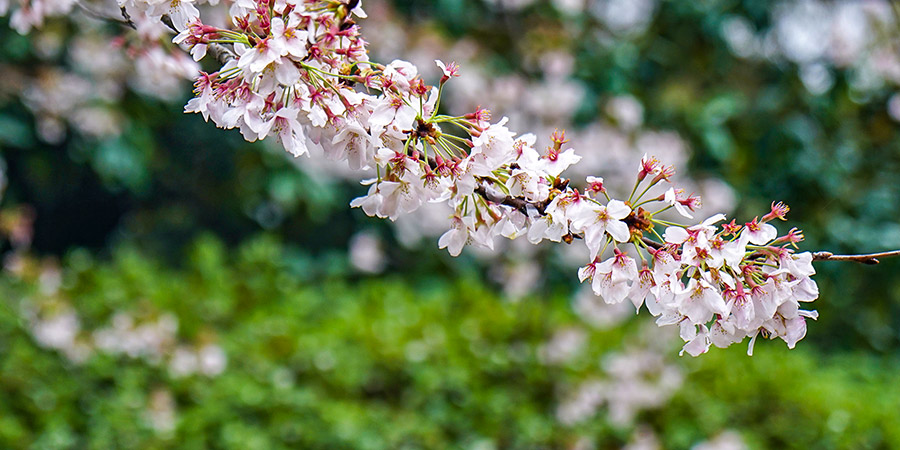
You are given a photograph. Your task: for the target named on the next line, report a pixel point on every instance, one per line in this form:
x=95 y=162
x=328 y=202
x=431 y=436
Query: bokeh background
x=167 y=285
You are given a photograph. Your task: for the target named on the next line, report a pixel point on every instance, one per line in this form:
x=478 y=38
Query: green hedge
x=319 y=360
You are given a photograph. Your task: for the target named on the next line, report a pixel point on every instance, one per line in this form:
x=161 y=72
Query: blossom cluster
x=720 y=285
x=292 y=78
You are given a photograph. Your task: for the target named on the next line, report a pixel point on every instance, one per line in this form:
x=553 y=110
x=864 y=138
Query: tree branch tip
x=869 y=259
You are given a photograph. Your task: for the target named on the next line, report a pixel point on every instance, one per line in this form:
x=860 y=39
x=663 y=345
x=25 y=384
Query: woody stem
x=871 y=258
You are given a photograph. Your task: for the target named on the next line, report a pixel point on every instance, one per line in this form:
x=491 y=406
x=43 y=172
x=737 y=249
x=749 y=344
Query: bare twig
x=99 y=15
x=871 y=258
x=220 y=52
x=519 y=203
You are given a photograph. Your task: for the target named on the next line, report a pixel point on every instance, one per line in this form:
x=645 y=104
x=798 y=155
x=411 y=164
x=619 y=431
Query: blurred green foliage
x=320 y=361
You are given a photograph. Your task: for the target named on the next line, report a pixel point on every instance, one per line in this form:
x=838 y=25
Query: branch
x=651 y=243
x=221 y=52
x=519 y=204
x=522 y=206
x=870 y=259
x=99 y=15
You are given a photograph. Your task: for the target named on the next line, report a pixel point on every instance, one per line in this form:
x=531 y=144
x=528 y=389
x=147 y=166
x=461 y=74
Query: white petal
x=618 y=230
x=675 y=235
x=617 y=209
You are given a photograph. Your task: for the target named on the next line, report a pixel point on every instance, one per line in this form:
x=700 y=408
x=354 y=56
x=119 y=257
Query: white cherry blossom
x=597 y=220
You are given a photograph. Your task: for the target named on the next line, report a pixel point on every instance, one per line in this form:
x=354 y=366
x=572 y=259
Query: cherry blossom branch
x=297 y=78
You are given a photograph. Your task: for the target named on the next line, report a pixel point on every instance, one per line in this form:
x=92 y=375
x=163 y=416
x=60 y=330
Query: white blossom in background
x=161 y=413
x=156 y=342
x=893 y=107
x=149 y=340
x=582 y=404
x=643 y=438
x=212 y=359
x=57 y=331
x=512 y=5
x=183 y=363
x=599 y=314
x=627 y=112
x=801 y=28
x=366 y=252
x=822 y=36
x=520 y=275
x=162 y=73
x=726 y=440
x=635 y=380
x=563 y=346
x=625 y=17
x=79 y=97
x=29 y=14
x=584 y=443
x=630 y=392
x=55 y=324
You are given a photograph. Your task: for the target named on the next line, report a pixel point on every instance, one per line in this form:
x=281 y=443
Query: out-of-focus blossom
x=637 y=380
x=161 y=411
x=727 y=440
x=366 y=252
x=563 y=346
